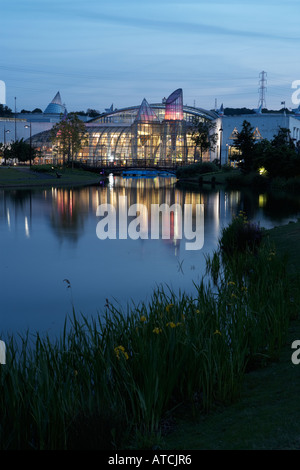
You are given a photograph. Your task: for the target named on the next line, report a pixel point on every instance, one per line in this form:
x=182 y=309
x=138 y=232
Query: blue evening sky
x=99 y=52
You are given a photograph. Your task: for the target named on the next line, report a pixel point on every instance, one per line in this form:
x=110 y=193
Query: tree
x=69 y=136
x=5 y=111
x=92 y=112
x=281 y=158
x=203 y=136
x=89 y=112
x=2 y=148
x=21 y=151
x=283 y=139
x=4 y=152
x=261 y=149
x=245 y=143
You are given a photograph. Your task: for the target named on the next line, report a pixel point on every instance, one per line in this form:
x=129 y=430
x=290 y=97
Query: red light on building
x=174 y=106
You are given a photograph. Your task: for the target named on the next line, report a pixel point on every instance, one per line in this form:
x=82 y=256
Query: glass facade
x=174 y=106
x=147 y=134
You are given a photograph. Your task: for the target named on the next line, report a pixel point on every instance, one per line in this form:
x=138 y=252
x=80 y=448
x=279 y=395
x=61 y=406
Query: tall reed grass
x=109 y=378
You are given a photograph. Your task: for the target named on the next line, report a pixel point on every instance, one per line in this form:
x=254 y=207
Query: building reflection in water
x=68 y=210
x=71 y=212
x=146 y=193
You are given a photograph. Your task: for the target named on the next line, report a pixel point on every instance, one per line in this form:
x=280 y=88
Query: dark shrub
x=196 y=169
x=240 y=235
x=253 y=180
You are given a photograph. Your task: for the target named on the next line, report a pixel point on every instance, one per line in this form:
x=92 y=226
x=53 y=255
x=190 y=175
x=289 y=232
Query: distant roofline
x=260 y=115
x=186 y=108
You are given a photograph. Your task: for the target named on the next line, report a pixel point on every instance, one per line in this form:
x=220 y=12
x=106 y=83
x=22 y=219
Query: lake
x=52 y=258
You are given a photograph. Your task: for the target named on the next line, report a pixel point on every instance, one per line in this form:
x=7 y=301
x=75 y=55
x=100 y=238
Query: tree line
x=5 y=111
x=279 y=156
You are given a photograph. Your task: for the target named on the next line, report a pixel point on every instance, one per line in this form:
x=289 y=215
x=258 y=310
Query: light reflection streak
x=27 y=227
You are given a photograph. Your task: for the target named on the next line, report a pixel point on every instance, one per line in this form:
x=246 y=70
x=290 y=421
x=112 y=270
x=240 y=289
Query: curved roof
x=132 y=112
x=174 y=106
x=174 y=96
x=170 y=108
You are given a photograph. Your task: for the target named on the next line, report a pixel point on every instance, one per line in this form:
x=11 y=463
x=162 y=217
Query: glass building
x=153 y=133
x=56 y=106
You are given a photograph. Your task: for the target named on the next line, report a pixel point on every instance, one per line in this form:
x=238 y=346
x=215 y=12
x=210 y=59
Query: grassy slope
x=220 y=177
x=268 y=413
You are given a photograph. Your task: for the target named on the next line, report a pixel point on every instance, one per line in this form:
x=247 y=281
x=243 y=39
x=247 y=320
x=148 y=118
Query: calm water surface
x=49 y=236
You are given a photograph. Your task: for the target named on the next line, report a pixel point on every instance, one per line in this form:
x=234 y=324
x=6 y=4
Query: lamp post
x=29 y=142
x=220 y=130
x=15 y=118
x=5 y=132
x=4 y=142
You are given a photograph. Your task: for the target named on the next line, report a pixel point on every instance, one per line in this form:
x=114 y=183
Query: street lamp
x=220 y=130
x=5 y=132
x=4 y=142
x=15 y=118
x=29 y=142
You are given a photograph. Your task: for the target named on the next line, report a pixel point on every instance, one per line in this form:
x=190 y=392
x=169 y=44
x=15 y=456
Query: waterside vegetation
x=117 y=381
x=260 y=165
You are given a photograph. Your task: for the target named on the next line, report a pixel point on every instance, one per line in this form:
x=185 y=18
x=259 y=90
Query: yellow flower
x=231 y=283
x=171 y=324
x=233 y=295
x=168 y=307
x=244 y=289
x=217 y=332
x=157 y=330
x=143 y=318
x=121 y=349
x=197 y=311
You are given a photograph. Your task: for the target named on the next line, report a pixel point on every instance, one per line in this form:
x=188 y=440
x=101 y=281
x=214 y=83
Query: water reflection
x=50 y=235
x=68 y=213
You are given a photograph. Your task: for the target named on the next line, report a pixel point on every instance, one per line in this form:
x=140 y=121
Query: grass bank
x=218 y=178
x=45 y=176
x=201 y=175
x=205 y=175
x=267 y=415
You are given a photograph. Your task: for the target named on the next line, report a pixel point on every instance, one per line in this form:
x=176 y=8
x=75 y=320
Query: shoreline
x=28 y=178
x=50 y=184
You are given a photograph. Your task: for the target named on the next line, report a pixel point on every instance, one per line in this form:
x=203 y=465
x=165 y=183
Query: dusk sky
x=101 y=52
